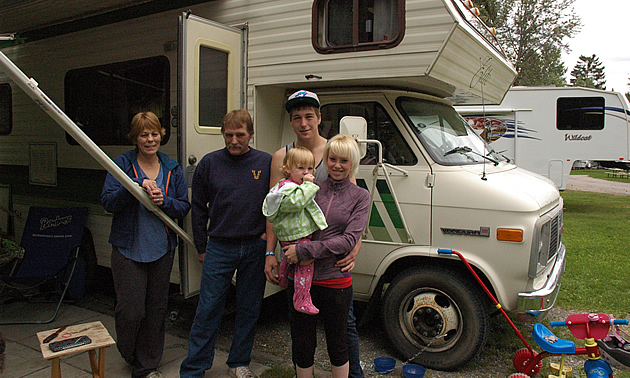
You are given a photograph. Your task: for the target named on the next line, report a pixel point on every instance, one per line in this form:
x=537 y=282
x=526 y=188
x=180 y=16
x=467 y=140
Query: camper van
x=398 y=65
x=549 y=130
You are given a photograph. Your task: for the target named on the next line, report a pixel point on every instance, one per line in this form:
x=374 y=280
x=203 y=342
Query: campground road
x=589 y=184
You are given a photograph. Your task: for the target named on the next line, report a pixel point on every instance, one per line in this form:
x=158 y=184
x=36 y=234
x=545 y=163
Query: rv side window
x=102 y=100
x=580 y=113
x=6 y=109
x=343 y=25
x=380 y=126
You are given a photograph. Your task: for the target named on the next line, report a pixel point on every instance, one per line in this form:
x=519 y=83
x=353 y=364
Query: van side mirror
x=356 y=127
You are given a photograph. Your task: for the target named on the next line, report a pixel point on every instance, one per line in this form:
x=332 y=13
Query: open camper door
x=210 y=73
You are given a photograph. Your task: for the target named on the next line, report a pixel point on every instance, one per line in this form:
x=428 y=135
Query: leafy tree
x=588 y=72
x=533 y=33
x=489 y=11
x=543 y=69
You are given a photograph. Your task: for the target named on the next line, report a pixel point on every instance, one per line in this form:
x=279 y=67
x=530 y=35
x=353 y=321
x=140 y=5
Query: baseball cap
x=302 y=97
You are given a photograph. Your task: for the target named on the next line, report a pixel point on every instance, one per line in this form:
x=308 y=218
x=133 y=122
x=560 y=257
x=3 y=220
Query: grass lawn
x=597 y=236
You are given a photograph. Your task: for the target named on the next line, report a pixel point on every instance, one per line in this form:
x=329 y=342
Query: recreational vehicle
x=399 y=65
x=548 y=129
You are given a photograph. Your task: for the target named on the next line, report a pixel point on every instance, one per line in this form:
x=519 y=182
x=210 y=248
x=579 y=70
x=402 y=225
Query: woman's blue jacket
x=117 y=200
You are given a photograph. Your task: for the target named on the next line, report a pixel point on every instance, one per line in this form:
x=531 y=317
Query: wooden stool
x=100 y=340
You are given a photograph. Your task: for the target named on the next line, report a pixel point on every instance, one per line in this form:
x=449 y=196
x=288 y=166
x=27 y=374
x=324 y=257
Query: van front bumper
x=534 y=306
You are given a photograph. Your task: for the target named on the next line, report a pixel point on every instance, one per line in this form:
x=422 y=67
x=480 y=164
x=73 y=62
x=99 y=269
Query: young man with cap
x=305 y=117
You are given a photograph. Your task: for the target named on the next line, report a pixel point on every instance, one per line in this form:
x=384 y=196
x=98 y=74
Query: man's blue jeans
x=222 y=258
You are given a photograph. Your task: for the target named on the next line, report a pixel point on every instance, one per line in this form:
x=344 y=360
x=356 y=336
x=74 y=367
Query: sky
x=604 y=33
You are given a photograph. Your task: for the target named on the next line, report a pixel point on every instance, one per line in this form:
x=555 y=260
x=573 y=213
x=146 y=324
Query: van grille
x=555 y=236
x=547 y=242
x=551 y=238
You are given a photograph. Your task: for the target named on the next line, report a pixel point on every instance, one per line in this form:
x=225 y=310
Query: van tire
x=422 y=303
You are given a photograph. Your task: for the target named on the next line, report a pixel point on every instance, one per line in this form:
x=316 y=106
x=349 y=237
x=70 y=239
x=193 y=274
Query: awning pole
x=30 y=87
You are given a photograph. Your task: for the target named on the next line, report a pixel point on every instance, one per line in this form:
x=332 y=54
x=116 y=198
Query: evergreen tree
x=588 y=72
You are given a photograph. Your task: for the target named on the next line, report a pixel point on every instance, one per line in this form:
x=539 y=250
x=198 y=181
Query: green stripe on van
x=392 y=210
x=377 y=225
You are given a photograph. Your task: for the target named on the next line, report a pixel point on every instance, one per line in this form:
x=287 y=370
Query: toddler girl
x=290 y=206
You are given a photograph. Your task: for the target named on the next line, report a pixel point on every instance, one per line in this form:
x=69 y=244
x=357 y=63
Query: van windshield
x=444 y=133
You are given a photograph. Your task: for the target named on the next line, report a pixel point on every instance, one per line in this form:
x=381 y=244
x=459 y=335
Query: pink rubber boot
x=302 y=296
x=283 y=272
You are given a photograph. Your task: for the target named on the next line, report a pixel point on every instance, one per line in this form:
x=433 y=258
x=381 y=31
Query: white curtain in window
x=385 y=23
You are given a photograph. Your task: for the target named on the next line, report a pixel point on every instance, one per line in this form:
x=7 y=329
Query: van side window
x=6 y=109
x=580 y=113
x=355 y=25
x=102 y=100
x=396 y=151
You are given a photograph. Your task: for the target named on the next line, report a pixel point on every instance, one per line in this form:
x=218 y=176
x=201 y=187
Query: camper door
x=210 y=83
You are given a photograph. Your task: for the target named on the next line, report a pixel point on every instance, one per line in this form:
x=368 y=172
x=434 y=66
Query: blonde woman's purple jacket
x=345 y=206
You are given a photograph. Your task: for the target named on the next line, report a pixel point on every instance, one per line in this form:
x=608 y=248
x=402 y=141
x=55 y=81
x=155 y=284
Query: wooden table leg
x=56 y=368
x=101 y=362
x=98 y=367
x=93 y=364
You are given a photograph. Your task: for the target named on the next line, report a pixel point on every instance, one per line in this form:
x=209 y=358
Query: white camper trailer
x=400 y=65
x=547 y=129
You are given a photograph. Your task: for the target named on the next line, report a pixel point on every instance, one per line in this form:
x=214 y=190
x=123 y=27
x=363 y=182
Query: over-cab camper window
x=6 y=109
x=102 y=100
x=354 y=25
x=580 y=113
x=380 y=126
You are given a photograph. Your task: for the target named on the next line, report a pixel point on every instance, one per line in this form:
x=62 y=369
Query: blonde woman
x=345 y=206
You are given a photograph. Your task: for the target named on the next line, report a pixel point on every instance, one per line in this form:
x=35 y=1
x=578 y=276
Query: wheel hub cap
x=432 y=314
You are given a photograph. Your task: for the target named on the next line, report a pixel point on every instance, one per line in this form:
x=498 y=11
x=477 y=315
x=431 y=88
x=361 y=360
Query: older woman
x=143 y=248
x=345 y=206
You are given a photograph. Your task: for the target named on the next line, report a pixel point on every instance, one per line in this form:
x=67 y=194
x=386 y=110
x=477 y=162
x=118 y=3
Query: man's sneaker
x=154 y=374
x=241 y=372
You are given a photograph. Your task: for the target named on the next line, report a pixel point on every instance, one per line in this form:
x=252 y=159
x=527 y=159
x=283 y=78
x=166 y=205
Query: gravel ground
x=589 y=184
x=273 y=343
x=273 y=340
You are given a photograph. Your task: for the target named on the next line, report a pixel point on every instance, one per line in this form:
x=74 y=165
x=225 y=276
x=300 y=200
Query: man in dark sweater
x=228 y=189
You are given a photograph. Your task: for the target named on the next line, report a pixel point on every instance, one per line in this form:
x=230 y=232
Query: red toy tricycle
x=592 y=328
x=587 y=327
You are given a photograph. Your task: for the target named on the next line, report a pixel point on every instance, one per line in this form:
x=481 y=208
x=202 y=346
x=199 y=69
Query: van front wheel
x=438 y=314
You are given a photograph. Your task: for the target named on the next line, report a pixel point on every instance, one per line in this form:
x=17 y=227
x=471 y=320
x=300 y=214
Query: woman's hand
x=154 y=192
x=291 y=254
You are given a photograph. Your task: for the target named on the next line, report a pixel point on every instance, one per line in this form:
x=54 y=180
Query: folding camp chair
x=6 y=211
x=51 y=239
x=10 y=251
